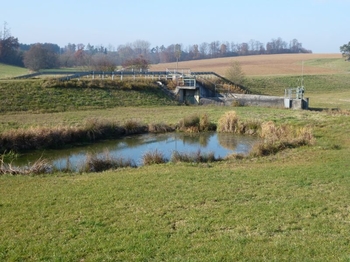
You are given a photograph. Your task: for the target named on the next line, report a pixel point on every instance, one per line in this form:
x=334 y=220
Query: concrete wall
x=256 y=100
x=245 y=100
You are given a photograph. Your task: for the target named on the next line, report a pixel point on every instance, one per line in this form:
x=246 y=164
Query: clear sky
x=320 y=25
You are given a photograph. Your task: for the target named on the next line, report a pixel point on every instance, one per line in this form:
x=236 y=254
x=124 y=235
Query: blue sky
x=320 y=25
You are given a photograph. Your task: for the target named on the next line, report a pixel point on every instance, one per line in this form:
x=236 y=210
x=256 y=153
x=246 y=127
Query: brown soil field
x=281 y=64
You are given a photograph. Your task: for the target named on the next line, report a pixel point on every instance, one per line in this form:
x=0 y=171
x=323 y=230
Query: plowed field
x=282 y=64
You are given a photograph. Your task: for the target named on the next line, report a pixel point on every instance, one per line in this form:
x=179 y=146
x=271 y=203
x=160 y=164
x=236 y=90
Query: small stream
x=135 y=146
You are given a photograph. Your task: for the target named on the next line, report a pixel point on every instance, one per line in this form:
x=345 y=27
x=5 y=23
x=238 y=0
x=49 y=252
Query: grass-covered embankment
x=8 y=71
x=324 y=91
x=53 y=96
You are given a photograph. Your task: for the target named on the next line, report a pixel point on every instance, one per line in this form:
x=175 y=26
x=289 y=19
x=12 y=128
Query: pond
x=134 y=147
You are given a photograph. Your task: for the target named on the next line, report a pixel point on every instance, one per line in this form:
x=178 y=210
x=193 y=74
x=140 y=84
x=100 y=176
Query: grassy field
x=38 y=96
x=7 y=71
x=262 y=65
x=293 y=205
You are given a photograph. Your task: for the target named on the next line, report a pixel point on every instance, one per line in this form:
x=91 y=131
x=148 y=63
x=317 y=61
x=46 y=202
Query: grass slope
x=32 y=95
x=7 y=71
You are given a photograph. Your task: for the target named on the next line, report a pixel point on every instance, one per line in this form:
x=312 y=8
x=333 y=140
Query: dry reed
x=277 y=138
x=196 y=157
x=99 y=163
x=41 y=166
x=153 y=158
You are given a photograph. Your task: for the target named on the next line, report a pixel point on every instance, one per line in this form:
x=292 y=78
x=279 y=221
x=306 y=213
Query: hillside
x=42 y=96
x=258 y=65
x=7 y=71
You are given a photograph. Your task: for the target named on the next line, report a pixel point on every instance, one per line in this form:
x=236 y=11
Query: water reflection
x=134 y=147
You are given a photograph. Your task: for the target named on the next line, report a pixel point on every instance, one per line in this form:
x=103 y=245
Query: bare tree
x=141 y=47
x=102 y=62
x=235 y=73
x=203 y=49
x=38 y=57
x=196 y=53
x=177 y=53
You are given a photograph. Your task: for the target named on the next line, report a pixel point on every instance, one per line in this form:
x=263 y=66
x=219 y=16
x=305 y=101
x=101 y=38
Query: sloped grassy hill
x=7 y=71
x=54 y=96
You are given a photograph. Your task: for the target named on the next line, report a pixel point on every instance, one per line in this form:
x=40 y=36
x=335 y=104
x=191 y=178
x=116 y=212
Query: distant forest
x=136 y=55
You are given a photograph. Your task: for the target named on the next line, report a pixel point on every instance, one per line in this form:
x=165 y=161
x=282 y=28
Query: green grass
x=260 y=210
x=292 y=206
x=7 y=71
x=324 y=91
x=34 y=96
x=330 y=63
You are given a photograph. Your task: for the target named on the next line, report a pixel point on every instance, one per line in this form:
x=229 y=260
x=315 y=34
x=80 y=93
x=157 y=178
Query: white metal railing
x=294 y=93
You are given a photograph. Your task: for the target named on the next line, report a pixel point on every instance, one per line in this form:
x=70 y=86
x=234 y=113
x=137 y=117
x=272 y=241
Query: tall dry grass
x=99 y=163
x=195 y=157
x=134 y=127
x=41 y=166
x=230 y=123
x=153 y=158
x=196 y=123
x=160 y=128
x=277 y=138
x=93 y=129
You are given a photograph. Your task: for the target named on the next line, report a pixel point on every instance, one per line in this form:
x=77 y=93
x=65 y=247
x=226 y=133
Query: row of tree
x=136 y=55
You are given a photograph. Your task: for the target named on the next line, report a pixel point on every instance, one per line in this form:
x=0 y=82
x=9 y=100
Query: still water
x=134 y=147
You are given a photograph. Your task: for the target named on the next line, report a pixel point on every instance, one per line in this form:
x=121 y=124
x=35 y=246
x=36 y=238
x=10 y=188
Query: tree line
x=136 y=55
